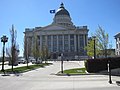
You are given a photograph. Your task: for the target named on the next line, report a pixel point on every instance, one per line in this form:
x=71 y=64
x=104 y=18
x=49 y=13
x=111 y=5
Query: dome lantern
x=62 y=17
x=62 y=11
x=62 y=5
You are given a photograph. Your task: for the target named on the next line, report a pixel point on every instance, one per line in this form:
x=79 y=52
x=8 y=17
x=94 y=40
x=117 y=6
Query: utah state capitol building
x=60 y=37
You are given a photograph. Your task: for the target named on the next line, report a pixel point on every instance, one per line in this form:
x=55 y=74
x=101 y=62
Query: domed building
x=61 y=37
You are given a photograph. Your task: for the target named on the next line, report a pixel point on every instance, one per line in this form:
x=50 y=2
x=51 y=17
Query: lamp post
x=109 y=70
x=4 y=39
x=61 y=62
x=94 y=37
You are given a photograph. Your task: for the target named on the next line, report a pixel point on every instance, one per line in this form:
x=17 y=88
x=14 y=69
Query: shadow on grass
x=8 y=73
x=19 y=70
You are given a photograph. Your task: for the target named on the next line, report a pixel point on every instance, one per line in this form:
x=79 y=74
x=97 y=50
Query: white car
x=22 y=61
x=36 y=62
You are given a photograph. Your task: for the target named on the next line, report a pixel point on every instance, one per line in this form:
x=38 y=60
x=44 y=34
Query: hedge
x=97 y=65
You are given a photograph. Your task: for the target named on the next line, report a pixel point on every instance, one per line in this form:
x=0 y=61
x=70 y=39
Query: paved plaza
x=45 y=79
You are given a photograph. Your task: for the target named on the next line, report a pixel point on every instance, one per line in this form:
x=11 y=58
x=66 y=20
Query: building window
x=85 y=40
x=38 y=40
x=49 y=42
x=119 y=46
x=116 y=46
x=29 y=44
x=66 y=46
x=77 y=42
x=72 y=42
x=54 y=43
x=43 y=40
x=60 y=43
x=81 y=41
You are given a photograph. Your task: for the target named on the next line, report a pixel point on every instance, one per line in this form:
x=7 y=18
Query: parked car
x=36 y=62
x=22 y=61
x=31 y=59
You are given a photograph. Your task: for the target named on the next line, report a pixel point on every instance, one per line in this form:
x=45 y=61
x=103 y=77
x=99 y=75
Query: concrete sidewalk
x=114 y=72
x=9 y=66
x=45 y=79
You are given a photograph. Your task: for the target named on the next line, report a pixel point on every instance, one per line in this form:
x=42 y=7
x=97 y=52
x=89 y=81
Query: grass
x=25 y=68
x=75 y=71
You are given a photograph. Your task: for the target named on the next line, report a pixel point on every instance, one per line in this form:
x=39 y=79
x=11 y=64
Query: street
x=45 y=79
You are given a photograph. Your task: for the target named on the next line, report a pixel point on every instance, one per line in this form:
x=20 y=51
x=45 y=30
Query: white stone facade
x=117 y=37
x=60 y=37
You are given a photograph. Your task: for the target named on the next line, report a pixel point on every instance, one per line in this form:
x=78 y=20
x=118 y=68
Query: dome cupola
x=62 y=11
x=62 y=17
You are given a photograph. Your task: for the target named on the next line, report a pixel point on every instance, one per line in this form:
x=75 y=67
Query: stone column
x=32 y=42
x=78 y=42
x=63 y=42
x=69 y=42
x=57 y=44
x=46 y=40
x=84 y=39
x=51 y=43
x=75 y=42
x=40 y=42
x=118 y=46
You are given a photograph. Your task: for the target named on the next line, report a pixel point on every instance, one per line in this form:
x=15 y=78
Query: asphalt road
x=45 y=79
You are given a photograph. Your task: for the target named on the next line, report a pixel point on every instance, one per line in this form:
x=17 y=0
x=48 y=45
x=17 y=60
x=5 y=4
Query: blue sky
x=33 y=13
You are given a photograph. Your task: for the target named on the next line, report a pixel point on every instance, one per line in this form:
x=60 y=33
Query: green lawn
x=25 y=68
x=75 y=71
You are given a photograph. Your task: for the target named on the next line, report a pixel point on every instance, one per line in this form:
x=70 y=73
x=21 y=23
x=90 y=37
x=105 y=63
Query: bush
x=93 y=66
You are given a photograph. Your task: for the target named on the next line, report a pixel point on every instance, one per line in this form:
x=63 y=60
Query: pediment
x=53 y=27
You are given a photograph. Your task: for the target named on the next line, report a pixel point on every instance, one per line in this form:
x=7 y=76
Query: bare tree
x=13 y=50
x=8 y=53
x=36 y=49
x=45 y=53
x=27 y=49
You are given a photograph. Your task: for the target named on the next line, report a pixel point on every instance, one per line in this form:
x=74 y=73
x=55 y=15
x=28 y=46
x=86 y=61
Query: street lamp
x=109 y=70
x=94 y=37
x=61 y=57
x=4 y=39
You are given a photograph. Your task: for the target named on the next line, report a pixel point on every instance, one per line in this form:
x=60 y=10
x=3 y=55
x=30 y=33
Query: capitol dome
x=62 y=11
x=62 y=17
